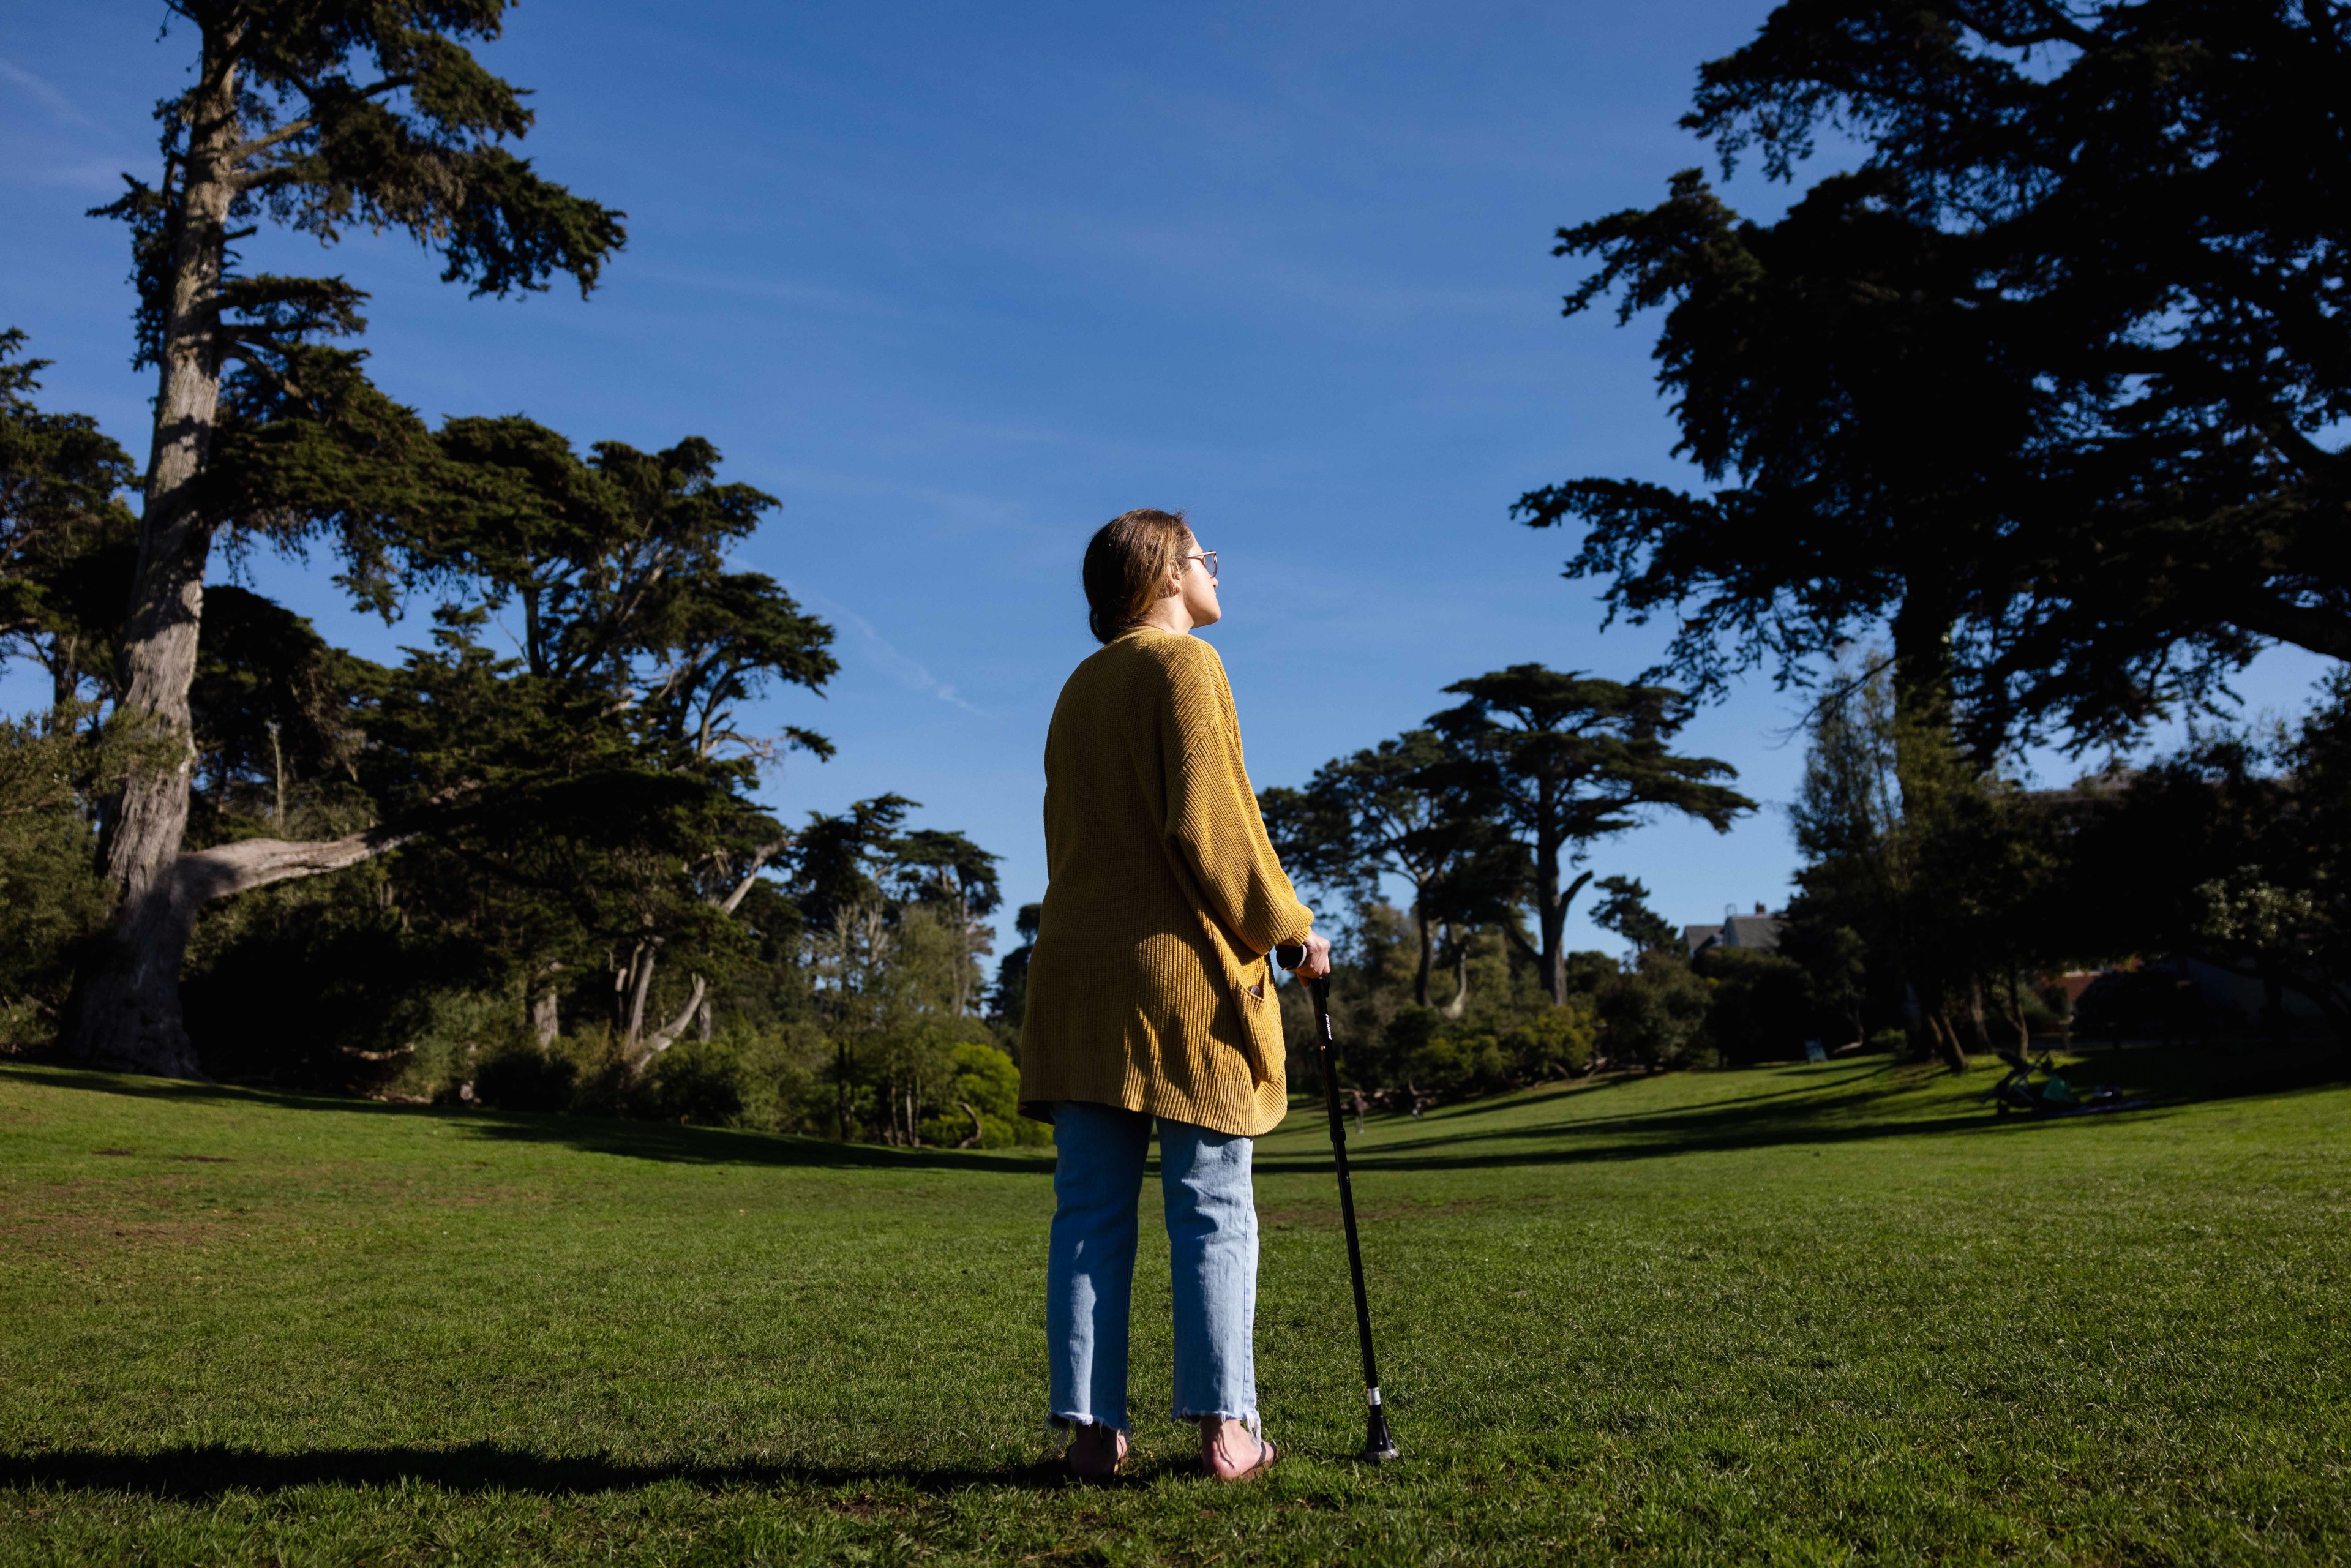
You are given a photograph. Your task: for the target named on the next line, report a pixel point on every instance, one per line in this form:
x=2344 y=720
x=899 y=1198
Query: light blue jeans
x=1204 y=1177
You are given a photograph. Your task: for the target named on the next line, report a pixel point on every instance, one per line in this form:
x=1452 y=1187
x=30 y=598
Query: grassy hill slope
x=1802 y=1315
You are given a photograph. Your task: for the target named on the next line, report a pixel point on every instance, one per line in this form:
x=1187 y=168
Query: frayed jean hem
x=1062 y=1425
x=1248 y=1418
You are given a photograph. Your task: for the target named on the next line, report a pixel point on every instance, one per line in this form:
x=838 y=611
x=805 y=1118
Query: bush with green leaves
x=1554 y=1043
x=1653 y=1014
x=982 y=1103
x=1421 y=1054
x=51 y=900
x=1761 y=1007
x=519 y=1076
x=698 y=1081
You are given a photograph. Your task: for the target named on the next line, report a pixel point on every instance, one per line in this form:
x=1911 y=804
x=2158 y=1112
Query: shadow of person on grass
x=210 y=1470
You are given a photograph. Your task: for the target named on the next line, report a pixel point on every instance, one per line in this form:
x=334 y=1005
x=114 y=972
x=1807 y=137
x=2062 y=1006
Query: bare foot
x=1229 y=1452
x=1097 y=1451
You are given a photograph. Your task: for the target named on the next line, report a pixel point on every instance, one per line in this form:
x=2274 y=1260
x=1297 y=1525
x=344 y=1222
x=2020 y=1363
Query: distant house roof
x=1761 y=932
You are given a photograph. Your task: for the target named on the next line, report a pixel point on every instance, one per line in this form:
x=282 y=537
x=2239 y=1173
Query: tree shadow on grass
x=1851 y=1109
x=209 y=1470
x=1666 y=1135
x=1806 y=1099
x=1810 y=1084
x=134 y=1086
x=670 y=1142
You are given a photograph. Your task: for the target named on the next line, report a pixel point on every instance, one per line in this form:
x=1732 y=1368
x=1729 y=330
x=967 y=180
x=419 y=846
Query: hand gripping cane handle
x=1379 y=1447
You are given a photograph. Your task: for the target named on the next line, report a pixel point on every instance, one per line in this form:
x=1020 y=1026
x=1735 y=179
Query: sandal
x=1221 y=1468
x=1089 y=1458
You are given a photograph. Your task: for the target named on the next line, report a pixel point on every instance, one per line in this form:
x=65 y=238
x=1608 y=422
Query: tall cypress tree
x=2133 y=269
x=1562 y=759
x=313 y=116
x=1398 y=809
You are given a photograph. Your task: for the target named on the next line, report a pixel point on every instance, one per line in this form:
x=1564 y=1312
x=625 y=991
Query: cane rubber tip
x=1382 y=1456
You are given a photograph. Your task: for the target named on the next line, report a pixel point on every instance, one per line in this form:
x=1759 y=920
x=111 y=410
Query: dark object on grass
x=2052 y=1096
x=1378 y=1446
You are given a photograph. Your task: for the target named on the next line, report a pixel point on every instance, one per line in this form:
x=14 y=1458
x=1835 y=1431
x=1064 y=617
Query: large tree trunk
x=1934 y=1004
x=1460 y=1002
x=1924 y=765
x=546 y=1017
x=640 y=986
x=1922 y=702
x=1551 y=909
x=141 y=990
x=642 y=1054
x=129 y=1011
x=1427 y=953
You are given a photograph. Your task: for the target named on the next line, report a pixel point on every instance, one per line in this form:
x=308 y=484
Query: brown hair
x=1127 y=563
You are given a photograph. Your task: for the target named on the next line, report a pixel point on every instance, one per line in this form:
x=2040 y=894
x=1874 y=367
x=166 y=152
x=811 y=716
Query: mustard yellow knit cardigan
x=1148 y=985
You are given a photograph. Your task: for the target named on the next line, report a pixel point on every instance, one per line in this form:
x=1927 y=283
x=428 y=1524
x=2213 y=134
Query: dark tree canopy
x=1848 y=366
x=842 y=861
x=2139 y=212
x=1625 y=911
x=1009 y=1001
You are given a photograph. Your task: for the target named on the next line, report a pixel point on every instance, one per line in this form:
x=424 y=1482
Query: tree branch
x=226 y=869
x=2322 y=632
x=759 y=858
x=2056 y=27
x=202 y=876
x=294 y=128
x=662 y=1038
x=285 y=133
x=1836 y=693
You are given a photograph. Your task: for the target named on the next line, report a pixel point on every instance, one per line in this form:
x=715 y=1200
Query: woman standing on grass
x=1150 y=997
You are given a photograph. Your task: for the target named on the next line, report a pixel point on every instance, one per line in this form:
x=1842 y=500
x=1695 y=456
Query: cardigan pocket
x=1262 y=1043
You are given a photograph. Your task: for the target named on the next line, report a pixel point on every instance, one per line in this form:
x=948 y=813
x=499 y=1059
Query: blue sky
x=960 y=282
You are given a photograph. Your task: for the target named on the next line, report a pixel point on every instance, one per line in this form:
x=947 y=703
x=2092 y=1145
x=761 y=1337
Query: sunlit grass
x=1801 y=1314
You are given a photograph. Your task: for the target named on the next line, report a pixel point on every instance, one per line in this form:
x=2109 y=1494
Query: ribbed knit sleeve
x=1213 y=823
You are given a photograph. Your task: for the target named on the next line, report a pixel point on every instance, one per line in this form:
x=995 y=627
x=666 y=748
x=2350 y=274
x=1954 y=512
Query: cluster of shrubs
x=1652 y=1011
x=1424 y=1053
x=786 y=1080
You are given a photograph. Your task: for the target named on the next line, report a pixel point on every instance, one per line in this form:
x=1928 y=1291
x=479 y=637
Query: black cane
x=1378 y=1446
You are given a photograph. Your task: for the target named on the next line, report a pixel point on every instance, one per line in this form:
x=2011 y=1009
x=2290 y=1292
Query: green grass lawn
x=1801 y=1314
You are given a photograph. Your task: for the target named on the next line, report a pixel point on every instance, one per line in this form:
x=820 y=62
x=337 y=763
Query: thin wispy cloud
x=961 y=509
x=774 y=290
x=899 y=666
x=42 y=93
x=96 y=174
